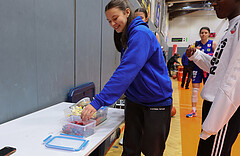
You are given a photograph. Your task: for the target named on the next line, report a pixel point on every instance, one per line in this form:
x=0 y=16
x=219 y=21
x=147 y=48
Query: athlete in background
x=206 y=46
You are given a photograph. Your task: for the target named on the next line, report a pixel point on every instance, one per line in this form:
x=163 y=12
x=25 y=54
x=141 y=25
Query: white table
x=27 y=133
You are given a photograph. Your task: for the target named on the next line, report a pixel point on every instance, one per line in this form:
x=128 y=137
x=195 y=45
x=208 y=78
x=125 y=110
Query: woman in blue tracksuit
x=143 y=77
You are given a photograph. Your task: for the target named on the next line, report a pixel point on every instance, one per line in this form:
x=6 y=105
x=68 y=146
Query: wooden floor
x=184 y=133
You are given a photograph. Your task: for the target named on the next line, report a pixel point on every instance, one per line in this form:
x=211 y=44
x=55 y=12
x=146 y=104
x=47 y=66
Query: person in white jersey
x=221 y=92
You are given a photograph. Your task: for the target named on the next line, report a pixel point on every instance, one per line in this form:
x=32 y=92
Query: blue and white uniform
x=198 y=74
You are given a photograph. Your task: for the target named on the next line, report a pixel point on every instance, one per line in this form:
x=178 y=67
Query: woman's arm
x=132 y=62
x=201 y=59
x=158 y=38
x=214 y=46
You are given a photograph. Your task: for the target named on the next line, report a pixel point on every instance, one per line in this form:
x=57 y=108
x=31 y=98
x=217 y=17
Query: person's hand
x=190 y=51
x=198 y=47
x=88 y=112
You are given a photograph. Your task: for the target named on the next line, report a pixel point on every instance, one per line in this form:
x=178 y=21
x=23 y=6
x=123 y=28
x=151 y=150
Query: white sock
x=194 y=108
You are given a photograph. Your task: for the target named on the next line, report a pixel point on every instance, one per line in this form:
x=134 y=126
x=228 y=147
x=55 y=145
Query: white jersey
x=223 y=84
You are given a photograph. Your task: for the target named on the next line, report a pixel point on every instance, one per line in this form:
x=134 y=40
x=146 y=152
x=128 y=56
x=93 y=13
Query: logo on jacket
x=234 y=29
x=156 y=109
x=215 y=59
x=209 y=45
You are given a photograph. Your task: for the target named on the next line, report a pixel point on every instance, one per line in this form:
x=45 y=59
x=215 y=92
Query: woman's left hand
x=88 y=112
x=190 y=51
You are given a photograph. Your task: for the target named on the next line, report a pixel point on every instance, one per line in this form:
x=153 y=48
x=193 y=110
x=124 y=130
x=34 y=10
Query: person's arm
x=214 y=46
x=201 y=59
x=158 y=38
x=132 y=62
x=176 y=60
x=227 y=99
x=183 y=59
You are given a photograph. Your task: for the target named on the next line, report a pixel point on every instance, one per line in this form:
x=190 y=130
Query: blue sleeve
x=132 y=62
x=183 y=59
x=197 y=43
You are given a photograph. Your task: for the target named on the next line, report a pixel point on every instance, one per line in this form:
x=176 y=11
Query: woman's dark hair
x=143 y=10
x=206 y=28
x=122 y=5
x=117 y=40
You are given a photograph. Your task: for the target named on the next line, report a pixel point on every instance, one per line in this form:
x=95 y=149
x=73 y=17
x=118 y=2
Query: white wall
x=188 y=26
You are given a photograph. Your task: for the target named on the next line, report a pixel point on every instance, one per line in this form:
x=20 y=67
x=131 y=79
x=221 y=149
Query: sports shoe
x=191 y=114
x=121 y=142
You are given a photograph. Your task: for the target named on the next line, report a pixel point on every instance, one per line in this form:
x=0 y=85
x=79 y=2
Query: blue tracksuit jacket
x=142 y=74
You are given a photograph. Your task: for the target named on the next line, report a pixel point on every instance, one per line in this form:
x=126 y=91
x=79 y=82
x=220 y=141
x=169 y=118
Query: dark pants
x=146 y=129
x=220 y=144
x=170 y=66
x=189 y=71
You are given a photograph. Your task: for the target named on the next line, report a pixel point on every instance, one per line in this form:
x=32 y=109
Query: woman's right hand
x=88 y=112
x=190 y=51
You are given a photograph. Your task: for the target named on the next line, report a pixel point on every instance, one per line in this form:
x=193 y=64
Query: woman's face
x=226 y=8
x=142 y=15
x=204 y=34
x=117 y=18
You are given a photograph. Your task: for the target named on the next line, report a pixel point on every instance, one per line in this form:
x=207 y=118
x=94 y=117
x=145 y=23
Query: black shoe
x=186 y=87
x=182 y=86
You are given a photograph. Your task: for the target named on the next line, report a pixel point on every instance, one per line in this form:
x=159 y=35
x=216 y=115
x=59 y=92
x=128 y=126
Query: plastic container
x=77 y=108
x=67 y=112
x=83 y=102
x=65 y=142
x=74 y=125
x=101 y=115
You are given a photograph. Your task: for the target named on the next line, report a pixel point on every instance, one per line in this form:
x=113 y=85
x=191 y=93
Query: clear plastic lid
x=66 y=142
